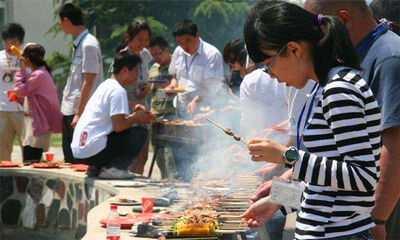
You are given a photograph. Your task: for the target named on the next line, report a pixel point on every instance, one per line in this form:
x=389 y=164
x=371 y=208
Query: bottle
x=113 y=224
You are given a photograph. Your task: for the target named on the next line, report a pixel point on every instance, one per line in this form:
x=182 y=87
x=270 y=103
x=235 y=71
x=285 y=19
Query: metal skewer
x=223 y=129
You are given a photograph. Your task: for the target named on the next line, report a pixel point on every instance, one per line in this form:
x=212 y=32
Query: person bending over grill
x=104 y=137
x=339 y=155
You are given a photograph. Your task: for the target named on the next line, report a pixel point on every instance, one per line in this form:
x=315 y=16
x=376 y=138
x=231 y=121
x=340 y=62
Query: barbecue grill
x=168 y=133
x=233 y=203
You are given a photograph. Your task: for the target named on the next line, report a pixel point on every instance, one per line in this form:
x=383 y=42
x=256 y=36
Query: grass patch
x=56 y=140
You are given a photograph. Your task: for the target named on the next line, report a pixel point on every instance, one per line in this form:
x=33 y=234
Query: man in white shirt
x=11 y=113
x=104 y=137
x=195 y=64
x=86 y=72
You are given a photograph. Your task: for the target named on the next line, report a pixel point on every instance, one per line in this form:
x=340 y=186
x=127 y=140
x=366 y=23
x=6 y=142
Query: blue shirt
x=381 y=64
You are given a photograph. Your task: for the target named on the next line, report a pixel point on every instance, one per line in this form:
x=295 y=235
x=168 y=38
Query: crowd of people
x=328 y=71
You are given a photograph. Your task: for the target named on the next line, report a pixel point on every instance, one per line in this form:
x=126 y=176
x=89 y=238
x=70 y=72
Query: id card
x=287 y=193
x=161 y=94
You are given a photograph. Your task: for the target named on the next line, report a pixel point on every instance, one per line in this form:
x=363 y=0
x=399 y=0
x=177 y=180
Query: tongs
x=228 y=131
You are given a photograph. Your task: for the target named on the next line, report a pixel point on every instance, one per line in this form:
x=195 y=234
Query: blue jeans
x=365 y=235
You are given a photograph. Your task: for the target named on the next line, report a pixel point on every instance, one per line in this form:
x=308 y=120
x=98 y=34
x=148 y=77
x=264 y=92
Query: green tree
x=219 y=21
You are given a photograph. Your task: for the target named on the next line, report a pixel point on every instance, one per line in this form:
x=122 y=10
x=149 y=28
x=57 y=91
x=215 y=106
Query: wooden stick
x=223 y=129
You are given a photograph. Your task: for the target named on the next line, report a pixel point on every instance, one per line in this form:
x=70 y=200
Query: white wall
x=37 y=16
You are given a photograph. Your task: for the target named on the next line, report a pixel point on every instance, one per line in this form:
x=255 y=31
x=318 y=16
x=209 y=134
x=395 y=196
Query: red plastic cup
x=49 y=156
x=12 y=97
x=147 y=205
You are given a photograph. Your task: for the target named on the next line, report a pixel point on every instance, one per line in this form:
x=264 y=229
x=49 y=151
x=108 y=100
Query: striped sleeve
x=344 y=108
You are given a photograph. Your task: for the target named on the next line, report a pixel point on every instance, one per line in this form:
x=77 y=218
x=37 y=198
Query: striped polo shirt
x=341 y=165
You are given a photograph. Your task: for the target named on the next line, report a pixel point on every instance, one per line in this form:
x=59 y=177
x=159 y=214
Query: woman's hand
x=22 y=63
x=262 y=149
x=260 y=212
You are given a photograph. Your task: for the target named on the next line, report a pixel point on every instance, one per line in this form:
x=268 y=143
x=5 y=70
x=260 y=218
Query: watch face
x=291 y=154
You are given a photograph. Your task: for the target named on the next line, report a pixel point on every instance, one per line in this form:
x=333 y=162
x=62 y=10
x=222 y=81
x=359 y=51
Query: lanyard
x=310 y=107
x=186 y=62
x=361 y=47
x=140 y=72
x=79 y=43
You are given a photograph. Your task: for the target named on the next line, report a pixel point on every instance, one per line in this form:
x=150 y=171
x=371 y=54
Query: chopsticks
x=227 y=131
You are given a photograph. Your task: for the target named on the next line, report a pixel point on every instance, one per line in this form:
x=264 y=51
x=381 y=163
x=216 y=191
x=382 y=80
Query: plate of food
x=179 y=89
x=79 y=167
x=128 y=184
x=126 y=222
x=46 y=165
x=8 y=164
x=123 y=202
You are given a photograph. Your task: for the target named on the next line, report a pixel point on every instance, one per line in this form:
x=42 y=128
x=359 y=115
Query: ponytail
x=35 y=53
x=333 y=49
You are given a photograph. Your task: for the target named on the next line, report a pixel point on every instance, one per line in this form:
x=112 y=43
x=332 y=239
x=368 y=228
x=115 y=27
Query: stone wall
x=42 y=205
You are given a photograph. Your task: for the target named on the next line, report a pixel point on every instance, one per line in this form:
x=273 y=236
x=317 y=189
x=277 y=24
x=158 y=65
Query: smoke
x=219 y=155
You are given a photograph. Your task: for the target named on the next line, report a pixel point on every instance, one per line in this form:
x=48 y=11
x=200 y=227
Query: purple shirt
x=43 y=102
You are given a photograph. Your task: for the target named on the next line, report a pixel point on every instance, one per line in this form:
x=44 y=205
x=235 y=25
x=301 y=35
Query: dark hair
x=235 y=51
x=332 y=7
x=131 y=31
x=72 y=12
x=272 y=24
x=389 y=10
x=35 y=53
x=125 y=59
x=184 y=27
x=13 y=30
x=160 y=42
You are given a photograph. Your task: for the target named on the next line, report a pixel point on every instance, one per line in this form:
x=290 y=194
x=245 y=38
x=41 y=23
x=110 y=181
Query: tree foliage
x=219 y=21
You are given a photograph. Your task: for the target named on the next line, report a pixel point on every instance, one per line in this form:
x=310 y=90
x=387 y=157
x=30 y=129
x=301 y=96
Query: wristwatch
x=290 y=155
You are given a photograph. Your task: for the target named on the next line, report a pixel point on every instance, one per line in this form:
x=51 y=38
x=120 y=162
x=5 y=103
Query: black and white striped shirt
x=341 y=167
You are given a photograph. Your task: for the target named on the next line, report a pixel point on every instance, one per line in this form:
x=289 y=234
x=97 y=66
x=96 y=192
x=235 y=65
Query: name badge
x=161 y=94
x=287 y=193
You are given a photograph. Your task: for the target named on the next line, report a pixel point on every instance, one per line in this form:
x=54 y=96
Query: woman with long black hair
x=135 y=40
x=338 y=154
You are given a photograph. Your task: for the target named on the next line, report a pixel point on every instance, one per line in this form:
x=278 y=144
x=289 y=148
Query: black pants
x=121 y=149
x=67 y=134
x=32 y=154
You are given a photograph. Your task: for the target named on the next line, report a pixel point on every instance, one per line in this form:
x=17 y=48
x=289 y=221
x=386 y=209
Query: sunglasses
x=267 y=68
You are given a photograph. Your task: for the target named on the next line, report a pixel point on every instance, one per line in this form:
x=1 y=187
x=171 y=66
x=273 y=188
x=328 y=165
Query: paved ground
x=17 y=156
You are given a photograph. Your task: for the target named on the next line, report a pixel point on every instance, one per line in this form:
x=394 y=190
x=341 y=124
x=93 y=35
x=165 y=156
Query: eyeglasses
x=267 y=68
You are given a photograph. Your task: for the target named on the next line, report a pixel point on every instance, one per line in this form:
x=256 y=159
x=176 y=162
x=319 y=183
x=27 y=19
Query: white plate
x=128 y=184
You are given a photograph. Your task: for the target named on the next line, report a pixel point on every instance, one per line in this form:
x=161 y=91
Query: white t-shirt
x=90 y=134
x=200 y=73
x=85 y=59
x=262 y=100
x=296 y=99
x=6 y=105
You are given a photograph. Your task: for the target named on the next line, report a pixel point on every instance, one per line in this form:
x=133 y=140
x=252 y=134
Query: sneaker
x=112 y=173
x=92 y=171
